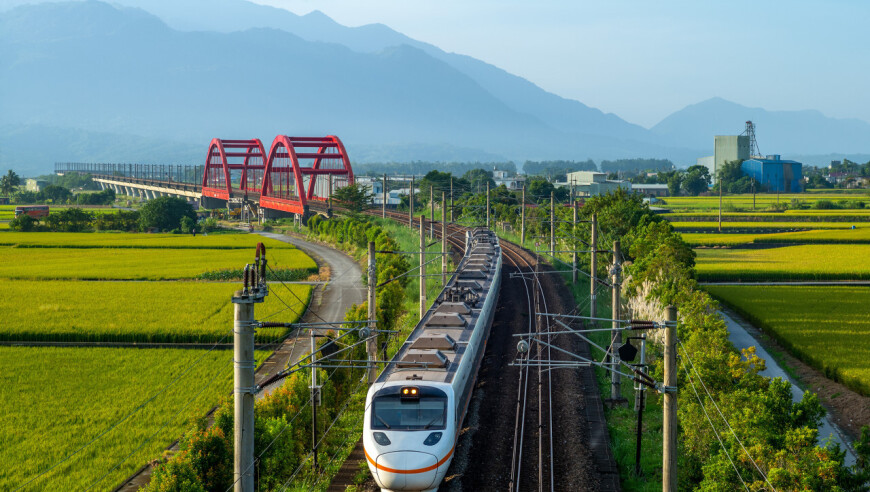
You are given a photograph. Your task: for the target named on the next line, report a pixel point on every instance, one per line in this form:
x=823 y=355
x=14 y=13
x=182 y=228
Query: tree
x=355 y=197
x=9 y=182
x=23 y=223
x=165 y=213
x=57 y=194
x=479 y=177
x=696 y=180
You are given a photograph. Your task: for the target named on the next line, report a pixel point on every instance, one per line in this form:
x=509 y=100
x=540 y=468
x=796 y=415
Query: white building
x=590 y=183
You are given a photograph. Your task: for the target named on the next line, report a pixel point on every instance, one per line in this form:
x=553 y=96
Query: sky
x=645 y=59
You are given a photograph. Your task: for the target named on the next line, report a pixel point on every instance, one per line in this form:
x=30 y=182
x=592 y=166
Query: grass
x=802 y=262
x=133 y=240
x=826 y=327
x=154 y=312
x=56 y=400
x=136 y=264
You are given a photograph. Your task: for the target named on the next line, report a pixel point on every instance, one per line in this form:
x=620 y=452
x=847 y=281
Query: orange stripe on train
x=418 y=470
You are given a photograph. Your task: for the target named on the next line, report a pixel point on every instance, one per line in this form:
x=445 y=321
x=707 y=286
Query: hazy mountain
x=777 y=132
x=92 y=67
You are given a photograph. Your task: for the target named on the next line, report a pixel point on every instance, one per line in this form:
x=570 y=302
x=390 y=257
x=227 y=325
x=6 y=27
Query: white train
x=415 y=409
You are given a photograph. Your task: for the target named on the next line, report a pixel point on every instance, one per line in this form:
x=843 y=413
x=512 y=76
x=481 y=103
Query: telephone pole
x=422 y=266
x=384 y=205
x=372 y=343
x=616 y=335
x=669 y=445
x=720 y=203
x=523 y=219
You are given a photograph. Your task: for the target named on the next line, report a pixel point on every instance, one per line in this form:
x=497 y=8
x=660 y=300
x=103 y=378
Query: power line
x=686 y=352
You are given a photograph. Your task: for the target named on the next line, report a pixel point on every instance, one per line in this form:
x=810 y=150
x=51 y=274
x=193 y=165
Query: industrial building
x=590 y=183
x=726 y=148
x=650 y=189
x=775 y=173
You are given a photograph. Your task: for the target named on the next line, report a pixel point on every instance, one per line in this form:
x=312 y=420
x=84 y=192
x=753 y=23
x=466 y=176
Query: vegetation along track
x=527 y=429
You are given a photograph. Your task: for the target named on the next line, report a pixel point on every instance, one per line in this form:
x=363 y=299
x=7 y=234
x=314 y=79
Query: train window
x=392 y=413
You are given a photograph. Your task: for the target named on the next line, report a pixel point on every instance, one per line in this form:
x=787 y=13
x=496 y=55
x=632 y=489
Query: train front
x=408 y=434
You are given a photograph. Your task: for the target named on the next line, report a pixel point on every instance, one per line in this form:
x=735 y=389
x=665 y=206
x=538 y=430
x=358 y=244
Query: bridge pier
x=211 y=203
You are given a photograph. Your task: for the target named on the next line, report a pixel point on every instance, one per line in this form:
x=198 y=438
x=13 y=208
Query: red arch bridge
x=296 y=176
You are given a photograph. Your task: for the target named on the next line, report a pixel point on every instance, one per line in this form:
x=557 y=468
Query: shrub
x=23 y=223
x=165 y=213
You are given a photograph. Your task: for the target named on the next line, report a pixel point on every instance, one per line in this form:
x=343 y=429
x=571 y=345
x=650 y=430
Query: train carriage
x=415 y=409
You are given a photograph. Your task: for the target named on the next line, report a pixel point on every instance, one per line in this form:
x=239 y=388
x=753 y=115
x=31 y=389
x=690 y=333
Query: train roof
x=436 y=346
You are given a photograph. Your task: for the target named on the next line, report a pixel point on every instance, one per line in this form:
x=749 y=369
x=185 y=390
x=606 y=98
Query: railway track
x=535 y=416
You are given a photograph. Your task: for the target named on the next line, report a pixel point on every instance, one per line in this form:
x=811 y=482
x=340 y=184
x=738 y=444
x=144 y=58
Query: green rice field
x=768 y=225
x=800 y=262
x=153 y=312
x=137 y=264
x=743 y=202
x=56 y=400
x=829 y=236
x=134 y=240
x=828 y=327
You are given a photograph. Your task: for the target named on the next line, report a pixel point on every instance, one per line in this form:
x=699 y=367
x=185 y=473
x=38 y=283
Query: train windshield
x=394 y=413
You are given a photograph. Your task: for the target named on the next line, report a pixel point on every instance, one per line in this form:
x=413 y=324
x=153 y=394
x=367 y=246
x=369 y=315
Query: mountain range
x=114 y=82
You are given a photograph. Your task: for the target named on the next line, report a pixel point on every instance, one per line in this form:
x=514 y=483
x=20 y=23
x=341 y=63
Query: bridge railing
x=166 y=173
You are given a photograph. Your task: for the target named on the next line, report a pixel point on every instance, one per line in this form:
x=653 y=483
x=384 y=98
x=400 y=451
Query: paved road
x=329 y=301
x=742 y=339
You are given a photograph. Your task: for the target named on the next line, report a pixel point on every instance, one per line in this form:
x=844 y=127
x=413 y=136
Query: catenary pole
x=443 y=238
x=593 y=266
x=243 y=394
x=372 y=342
x=432 y=212
x=669 y=447
x=487 y=205
x=411 y=203
x=422 y=266
x=523 y=219
x=315 y=400
x=574 y=232
x=384 y=205
x=553 y=227
x=616 y=335
x=451 y=198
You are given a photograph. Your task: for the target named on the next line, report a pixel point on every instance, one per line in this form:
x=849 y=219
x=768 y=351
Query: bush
x=23 y=223
x=165 y=213
x=825 y=205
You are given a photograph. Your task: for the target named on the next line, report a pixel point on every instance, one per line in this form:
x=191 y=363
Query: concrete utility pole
x=372 y=343
x=329 y=197
x=669 y=445
x=593 y=266
x=411 y=203
x=384 y=205
x=616 y=335
x=315 y=400
x=553 y=227
x=432 y=207
x=422 y=266
x=243 y=394
x=574 y=253
x=523 y=219
x=443 y=239
x=487 y=204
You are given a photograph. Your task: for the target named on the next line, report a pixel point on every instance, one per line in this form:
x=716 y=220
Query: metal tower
x=753 y=143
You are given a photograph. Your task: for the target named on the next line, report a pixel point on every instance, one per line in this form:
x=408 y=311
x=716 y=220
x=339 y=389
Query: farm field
x=827 y=327
x=743 y=202
x=141 y=312
x=134 y=240
x=137 y=264
x=55 y=400
x=768 y=225
x=800 y=262
x=829 y=236
x=785 y=215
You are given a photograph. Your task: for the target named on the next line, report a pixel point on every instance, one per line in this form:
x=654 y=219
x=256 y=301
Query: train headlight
x=410 y=392
x=382 y=438
x=432 y=439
